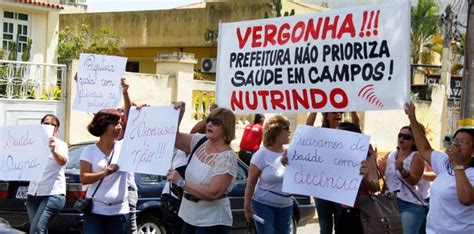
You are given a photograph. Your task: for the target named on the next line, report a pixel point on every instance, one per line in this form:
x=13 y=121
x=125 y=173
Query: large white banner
x=148 y=144
x=350 y=59
x=24 y=151
x=98 y=82
x=325 y=163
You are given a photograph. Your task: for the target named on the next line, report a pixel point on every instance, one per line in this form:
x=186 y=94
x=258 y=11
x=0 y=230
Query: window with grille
x=15 y=28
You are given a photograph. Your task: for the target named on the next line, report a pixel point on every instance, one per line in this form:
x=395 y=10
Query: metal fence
x=37 y=81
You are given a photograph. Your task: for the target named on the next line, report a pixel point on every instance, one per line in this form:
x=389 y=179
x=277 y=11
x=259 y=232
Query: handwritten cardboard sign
x=349 y=59
x=325 y=163
x=149 y=140
x=98 y=82
x=24 y=151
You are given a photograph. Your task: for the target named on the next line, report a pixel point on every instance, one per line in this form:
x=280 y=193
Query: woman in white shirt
x=263 y=195
x=209 y=176
x=403 y=169
x=46 y=195
x=452 y=192
x=108 y=187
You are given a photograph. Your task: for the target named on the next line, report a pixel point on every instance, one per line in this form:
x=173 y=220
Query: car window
x=151 y=179
x=74 y=155
x=241 y=173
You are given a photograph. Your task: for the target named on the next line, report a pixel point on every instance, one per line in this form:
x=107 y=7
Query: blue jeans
x=277 y=220
x=98 y=224
x=42 y=209
x=326 y=210
x=218 y=229
x=412 y=216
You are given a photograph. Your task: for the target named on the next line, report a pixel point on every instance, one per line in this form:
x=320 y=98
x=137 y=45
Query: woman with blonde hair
x=263 y=195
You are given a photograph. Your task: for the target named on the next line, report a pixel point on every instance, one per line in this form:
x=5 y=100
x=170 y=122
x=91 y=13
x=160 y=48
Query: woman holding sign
x=210 y=174
x=452 y=192
x=263 y=195
x=403 y=169
x=328 y=209
x=107 y=186
x=46 y=195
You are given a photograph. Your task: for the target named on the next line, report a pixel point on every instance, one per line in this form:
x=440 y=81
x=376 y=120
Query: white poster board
x=98 y=82
x=325 y=163
x=24 y=151
x=348 y=59
x=149 y=140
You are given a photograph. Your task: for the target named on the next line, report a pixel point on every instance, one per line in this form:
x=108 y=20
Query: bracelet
x=458 y=167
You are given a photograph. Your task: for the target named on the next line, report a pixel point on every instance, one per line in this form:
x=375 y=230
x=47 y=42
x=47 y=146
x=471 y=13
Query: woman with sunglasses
x=209 y=176
x=452 y=192
x=46 y=196
x=328 y=211
x=107 y=186
x=263 y=195
x=403 y=169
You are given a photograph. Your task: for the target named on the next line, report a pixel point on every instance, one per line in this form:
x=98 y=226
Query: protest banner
x=350 y=59
x=324 y=163
x=98 y=82
x=25 y=151
x=148 y=144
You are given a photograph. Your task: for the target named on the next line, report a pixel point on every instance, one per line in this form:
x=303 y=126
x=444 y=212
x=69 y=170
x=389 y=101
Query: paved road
x=311 y=228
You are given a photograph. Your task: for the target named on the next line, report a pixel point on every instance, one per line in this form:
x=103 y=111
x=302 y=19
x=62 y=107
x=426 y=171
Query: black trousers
x=349 y=221
x=246 y=156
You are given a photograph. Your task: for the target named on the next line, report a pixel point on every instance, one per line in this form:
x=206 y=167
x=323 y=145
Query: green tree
x=71 y=44
x=425 y=24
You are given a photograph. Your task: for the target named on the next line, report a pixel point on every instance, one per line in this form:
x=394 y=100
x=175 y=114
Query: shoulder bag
x=83 y=204
x=169 y=203
x=379 y=213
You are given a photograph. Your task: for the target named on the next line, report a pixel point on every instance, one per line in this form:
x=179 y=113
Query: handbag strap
x=384 y=187
x=100 y=182
x=199 y=143
x=413 y=193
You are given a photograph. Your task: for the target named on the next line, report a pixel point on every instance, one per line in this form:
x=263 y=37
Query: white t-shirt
x=447 y=215
x=208 y=213
x=53 y=180
x=111 y=197
x=270 y=182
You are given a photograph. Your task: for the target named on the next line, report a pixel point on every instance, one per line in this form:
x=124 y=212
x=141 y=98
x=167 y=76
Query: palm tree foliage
x=425 y=26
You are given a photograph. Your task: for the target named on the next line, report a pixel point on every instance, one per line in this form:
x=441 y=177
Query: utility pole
x=445 y=81
x=467 y=96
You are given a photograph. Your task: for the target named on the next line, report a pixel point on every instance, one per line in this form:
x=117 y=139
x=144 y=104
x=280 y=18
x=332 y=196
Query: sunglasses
x=286 y=128
x=214 y=122
x=404 y=136
x=51 y=124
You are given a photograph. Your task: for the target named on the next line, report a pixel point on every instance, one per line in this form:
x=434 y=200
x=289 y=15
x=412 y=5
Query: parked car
x=149 y=214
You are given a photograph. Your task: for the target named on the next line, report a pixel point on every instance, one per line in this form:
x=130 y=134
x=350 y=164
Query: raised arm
x=183 y=140
x=422 y=144
x=311 y=118
x=126 y=109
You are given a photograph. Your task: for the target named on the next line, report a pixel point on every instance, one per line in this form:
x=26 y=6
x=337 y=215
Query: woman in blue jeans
x=263 y=195
x=403 y=169
x=46 y=195
x=327 y=210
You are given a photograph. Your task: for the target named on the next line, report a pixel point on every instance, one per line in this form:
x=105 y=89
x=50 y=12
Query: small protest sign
x=148 y=144
x=325 y=163
x=98 y=82
x=24 y=151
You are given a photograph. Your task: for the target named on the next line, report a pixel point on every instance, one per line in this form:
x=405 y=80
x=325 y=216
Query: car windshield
x=74 y=154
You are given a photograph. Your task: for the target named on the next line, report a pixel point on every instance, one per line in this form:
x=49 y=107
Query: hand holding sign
x=325 y=163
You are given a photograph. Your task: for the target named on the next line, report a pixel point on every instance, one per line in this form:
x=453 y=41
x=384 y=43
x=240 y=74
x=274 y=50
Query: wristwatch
x=458 y=167
x=181 y=182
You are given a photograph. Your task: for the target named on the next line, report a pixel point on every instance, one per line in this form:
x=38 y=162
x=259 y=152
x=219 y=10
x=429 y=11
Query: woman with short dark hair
x=263 y=195
x=46 y=195
x=209 y=176
x=107 y=186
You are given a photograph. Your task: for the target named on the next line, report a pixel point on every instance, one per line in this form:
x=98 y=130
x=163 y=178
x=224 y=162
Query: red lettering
x=254 y=105
x=313 y=94
x=283 y=35
x=328 y=27
x=270 y=33
x=243 y=41
x=264 y=94
x=276 y=97
x=236 y=101
x=297 y=99
x=298 y=32
x=312 y=29
x=257 y=36
x=347 y=27
x=344 y=99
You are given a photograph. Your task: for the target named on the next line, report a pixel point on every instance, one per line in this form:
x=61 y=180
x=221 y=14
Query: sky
x=134 y=5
